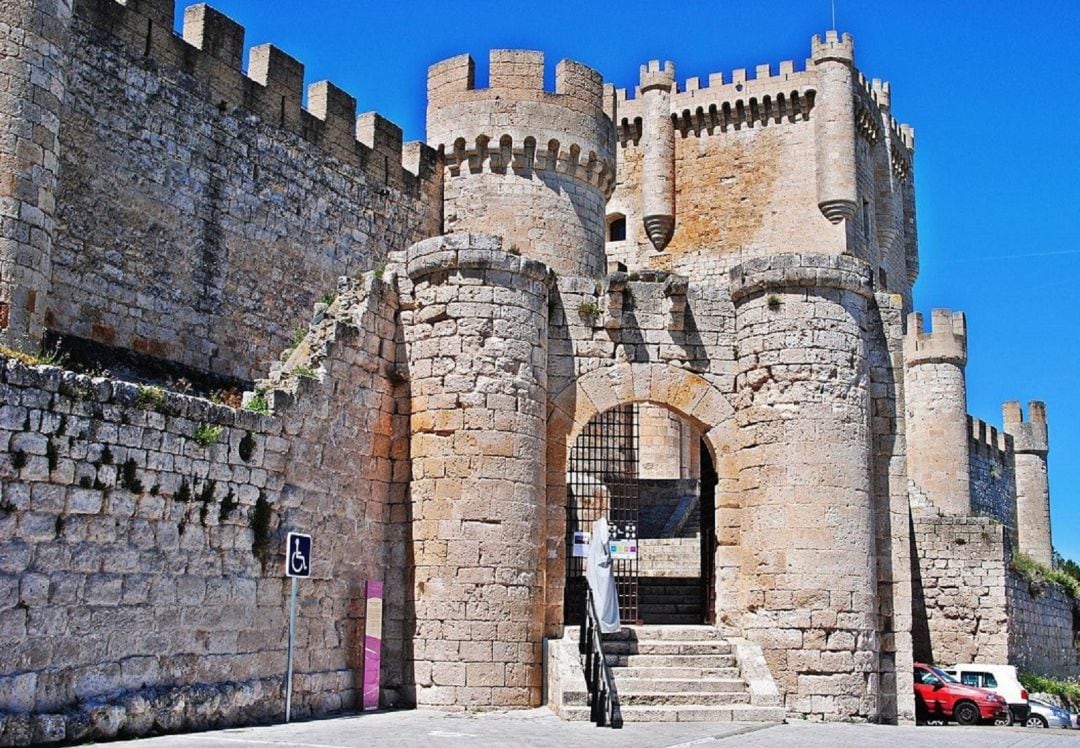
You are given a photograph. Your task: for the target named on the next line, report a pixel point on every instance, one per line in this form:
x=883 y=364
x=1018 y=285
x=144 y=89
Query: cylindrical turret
x=32 y=37
x=1031 y=444
x=935 y=395
x=476 y=340
x=532 y=166
x=834 y=131
x=802 y=412
x=658 y=152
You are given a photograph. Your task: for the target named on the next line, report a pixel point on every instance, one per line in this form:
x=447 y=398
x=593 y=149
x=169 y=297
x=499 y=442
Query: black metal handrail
x=603 y=698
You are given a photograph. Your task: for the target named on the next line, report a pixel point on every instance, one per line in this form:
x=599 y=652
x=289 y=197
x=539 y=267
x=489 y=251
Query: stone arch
x=683 y=392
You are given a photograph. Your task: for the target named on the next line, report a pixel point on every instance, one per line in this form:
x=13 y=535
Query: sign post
x=297 y=565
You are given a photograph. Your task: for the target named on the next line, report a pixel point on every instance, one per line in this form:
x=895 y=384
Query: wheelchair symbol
x=298 y=555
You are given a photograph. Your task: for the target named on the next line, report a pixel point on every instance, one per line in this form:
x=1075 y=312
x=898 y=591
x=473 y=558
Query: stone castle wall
x=993 y=476
x=143 y=531
x=1043 y=626
x=960 y=608
x=201 y=212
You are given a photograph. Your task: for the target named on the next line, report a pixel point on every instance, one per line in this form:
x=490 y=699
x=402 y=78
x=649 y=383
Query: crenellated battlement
x=744 y=100
x=210 y=49
x=655 y=75
x=945 y=342
x=555 y=138
x=518 y=74
x=1031 y=436
x=834 y=48
x=987 y=440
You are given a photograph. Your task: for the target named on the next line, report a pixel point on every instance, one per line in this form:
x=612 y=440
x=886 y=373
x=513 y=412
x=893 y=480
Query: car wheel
x=966 y=713
x=1004 y=720
x=1035 y=720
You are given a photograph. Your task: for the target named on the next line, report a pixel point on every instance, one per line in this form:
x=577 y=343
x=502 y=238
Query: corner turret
x=1031 y=443
x=834 y=59
x=658 y=152
x=534 y=166
x=935 y=392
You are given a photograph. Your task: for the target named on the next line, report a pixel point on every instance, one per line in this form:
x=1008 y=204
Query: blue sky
x=987 y=84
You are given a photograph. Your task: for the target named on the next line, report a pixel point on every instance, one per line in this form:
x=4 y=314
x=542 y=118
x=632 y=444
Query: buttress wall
x=201 y=211
x=806 y=156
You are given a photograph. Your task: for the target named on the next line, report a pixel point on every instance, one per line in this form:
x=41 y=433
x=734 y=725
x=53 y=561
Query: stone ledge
x=806 y=271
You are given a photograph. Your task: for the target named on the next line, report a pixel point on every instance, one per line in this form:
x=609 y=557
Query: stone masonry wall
x=1043 y=626
x=202 y=213
x=959 y=609
x=141 y=585
x=993 y=476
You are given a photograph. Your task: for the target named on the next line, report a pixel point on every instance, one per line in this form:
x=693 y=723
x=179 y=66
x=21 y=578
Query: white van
x=1002 y=680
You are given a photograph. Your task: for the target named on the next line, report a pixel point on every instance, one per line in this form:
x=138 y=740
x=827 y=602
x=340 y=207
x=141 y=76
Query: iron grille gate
x=603 y=463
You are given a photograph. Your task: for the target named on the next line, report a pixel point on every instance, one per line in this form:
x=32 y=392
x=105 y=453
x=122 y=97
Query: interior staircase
x=669 y=674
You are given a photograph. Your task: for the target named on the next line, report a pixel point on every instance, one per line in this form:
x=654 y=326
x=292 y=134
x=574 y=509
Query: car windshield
x=944 y=676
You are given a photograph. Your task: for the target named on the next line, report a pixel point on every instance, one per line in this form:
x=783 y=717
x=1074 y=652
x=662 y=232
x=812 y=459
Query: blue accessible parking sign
x=298 y=555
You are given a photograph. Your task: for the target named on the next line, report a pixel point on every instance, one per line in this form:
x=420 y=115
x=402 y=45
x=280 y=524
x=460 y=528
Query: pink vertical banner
x=372 y=644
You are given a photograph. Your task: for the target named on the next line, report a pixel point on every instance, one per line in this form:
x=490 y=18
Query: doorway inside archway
x=647 y=470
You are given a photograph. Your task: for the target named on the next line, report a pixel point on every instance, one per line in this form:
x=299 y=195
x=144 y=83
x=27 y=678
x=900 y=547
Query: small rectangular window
x=617 y=229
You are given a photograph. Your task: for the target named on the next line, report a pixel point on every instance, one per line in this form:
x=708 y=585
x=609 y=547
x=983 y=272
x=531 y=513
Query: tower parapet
x=1031 y=442
x=935 y=393
x=533 y=165
x=834 y=58
x=945 y=342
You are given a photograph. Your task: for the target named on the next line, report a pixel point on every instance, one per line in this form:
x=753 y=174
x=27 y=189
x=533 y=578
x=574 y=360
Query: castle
x=695 y=298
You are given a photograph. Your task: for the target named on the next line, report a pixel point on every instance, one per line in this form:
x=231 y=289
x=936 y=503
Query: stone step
x=733 y=713
x=634 y=698
x=652 y=684
x=688 y=632
x=671 y=673
x=678 y=647
x=670 y=660
x=673 y=618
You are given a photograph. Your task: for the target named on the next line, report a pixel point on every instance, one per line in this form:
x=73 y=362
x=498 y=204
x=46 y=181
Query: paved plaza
x=539 y=727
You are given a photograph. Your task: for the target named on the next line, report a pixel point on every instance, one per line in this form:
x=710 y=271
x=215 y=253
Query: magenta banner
x=372 y=644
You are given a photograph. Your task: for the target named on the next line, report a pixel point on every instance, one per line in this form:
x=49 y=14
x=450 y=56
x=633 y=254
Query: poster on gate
x=624 y=549
x=581 y=544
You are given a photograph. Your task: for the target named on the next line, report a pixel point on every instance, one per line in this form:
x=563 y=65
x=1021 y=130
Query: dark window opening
x=617 y=229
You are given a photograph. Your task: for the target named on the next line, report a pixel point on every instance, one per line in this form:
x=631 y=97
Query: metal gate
x=603 y=469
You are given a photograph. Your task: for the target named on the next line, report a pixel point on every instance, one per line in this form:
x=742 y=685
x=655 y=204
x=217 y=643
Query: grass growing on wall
x=1038 y=575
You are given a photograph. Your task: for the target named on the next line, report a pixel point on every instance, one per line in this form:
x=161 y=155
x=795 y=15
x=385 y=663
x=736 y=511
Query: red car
x=940 y=696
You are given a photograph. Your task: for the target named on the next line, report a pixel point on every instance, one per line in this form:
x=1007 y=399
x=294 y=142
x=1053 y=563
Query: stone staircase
x=670 y=600
x=669 y=674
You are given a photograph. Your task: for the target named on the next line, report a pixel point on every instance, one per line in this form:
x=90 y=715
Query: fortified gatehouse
x=689 y=305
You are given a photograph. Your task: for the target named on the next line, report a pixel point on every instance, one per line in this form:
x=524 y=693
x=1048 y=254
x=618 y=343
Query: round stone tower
x=1031 y=443
x=32 y=37
x=533 y=166
x=935 y=395
x=476 y=340
x=803 y=416
x=834 y=129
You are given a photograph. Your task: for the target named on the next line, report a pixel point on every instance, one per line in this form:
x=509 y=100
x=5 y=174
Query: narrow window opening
x=617 y=228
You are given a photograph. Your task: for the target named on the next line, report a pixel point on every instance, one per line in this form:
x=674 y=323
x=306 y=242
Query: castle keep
x=693 y=299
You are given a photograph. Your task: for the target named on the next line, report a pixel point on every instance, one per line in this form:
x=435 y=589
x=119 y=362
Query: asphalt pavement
x=539 y=727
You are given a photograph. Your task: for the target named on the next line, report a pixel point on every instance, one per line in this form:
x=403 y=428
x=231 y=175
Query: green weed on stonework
x=150 y=398
x=207 y=434
x=259 y=403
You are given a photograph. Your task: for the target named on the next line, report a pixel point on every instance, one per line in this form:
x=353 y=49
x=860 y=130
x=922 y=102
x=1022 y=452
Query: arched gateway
x=602 y=395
